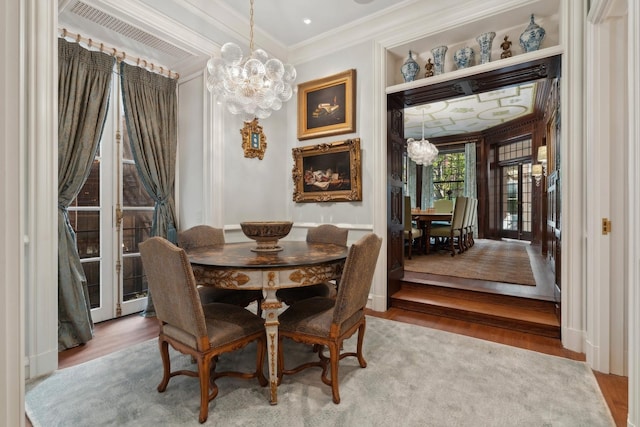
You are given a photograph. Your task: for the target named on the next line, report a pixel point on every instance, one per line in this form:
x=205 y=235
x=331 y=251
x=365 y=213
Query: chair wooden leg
x=166 y=364
x=204 y=368
x=334 y=357
x=361 y=361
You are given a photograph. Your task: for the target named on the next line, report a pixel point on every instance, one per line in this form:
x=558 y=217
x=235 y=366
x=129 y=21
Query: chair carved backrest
x=357 y=276
x=173 y=286
x=443 y=206
x=474 y=213
x=328 y=233
x=200 y=235
x=458 y=212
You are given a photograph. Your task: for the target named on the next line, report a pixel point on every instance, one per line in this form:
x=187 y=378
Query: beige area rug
x=415 y=377
x=490 y=260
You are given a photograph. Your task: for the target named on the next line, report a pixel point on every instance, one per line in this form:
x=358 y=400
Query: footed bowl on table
x=266 y=233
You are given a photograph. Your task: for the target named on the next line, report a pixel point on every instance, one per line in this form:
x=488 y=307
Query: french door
x=516 y=202
x=111 y=215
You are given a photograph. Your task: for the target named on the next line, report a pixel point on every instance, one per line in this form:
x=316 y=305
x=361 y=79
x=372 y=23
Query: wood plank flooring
x=120 y=333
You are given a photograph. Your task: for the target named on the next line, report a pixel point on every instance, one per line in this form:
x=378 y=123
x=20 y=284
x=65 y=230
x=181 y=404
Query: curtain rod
x=120 y=55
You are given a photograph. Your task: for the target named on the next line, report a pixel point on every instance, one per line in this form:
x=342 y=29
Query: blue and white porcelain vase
x=410 y=69
x=485 y=41
x=532 y=36
x=463 y=57
x=438 y=59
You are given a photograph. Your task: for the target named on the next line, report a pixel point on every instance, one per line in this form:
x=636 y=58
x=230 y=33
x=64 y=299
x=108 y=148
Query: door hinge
x=606 y=226
x=119 y=216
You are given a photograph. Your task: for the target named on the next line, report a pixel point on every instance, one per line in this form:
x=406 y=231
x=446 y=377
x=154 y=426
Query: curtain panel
x=84 y=81
x=150 y=110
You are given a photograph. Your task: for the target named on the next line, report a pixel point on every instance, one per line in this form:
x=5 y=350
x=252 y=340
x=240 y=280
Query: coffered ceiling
x=469 y=114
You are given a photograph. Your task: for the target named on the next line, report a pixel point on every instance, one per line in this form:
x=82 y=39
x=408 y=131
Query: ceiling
x=283 y=19
x=139 y=31
x=469 y=114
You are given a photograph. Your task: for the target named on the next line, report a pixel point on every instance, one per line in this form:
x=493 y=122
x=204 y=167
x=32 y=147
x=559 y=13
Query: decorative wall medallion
x=254 y=142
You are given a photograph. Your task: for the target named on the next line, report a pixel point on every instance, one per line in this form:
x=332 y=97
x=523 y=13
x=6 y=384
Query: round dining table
x=239 y=266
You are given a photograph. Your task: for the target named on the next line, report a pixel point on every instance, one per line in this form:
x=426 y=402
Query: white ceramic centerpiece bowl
x=266 y=233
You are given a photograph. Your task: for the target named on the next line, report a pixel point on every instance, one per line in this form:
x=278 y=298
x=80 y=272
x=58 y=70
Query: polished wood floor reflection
x=120 y=333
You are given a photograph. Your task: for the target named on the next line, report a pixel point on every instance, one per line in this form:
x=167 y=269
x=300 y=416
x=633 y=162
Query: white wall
x=353 y=215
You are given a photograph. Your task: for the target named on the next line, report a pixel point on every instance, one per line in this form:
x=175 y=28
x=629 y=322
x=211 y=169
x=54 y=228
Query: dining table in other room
x=239 y=266
x=425 y=218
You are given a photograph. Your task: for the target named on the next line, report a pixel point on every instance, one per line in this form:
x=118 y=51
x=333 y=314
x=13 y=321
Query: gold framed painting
x=254 y=142
x=327 y=106
x=328 y=172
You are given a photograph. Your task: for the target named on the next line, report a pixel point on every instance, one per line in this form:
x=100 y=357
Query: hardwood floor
x=120 y=333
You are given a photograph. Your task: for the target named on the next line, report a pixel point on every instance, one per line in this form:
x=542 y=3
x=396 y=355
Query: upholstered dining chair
x=410 y=232
x=454 y=231
x=205 y=235
x=324 y=233
x=472 y=207
x=328 y=322
x=202 y=331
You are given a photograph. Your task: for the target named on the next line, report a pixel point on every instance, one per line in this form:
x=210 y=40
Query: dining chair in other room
x=473 y=218
x=327 y=321
x=324 y=233
x=454 y=231
x=466 y=224
x=205 y=235
x=410 y=232
x=202 y=331
x=443 y=206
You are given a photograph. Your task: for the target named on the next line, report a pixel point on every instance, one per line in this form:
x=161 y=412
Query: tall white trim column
x=11 y=225
x=633 y=257
x=572 y=15
x=40 y=92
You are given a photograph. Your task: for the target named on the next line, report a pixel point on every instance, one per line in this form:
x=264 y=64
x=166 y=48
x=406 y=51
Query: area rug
x=490 y=260
x=415 y=376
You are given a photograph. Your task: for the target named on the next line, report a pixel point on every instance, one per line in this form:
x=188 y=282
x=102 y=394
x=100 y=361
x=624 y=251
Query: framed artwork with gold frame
x=254 y=141
x=328 y=172
x=327 y=106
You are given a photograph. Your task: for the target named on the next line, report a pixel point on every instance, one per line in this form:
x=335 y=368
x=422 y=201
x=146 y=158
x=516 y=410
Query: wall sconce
x=542 y=158
x=536 y=172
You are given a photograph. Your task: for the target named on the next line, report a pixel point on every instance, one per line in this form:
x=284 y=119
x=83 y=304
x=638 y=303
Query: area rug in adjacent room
x=415 y=376
x=490 y=260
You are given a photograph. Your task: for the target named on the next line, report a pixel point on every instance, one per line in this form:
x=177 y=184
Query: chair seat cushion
x=415 y=232
x=311 y=316
x=210 y=295
x=444 y=232
x=226 y=323
x=289 y=295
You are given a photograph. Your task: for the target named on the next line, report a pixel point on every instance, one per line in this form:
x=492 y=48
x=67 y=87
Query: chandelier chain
x=251 y=26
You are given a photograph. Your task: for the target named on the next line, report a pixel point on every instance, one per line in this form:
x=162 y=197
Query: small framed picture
x=328 y=172
x=254 y=142
x=327 y=106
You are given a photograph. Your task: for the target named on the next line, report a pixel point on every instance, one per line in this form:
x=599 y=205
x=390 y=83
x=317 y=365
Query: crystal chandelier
x=253 y=86
x=422 y=152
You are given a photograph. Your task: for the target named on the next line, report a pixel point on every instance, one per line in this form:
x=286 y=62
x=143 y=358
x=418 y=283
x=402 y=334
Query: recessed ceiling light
x=363 y=1
x=306 y=21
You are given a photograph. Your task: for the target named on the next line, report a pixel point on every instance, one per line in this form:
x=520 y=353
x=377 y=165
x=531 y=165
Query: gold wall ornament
x=254 y=141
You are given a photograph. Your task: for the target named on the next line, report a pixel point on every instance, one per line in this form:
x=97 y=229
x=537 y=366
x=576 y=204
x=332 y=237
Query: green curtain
x=84 y=81
x=150 y=110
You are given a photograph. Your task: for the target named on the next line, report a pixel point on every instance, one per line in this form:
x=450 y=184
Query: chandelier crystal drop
x=252 y=86
x=422 y=152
